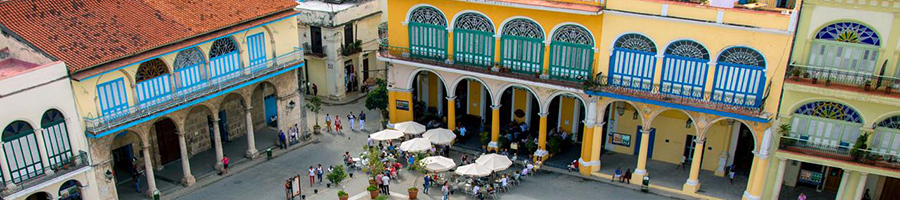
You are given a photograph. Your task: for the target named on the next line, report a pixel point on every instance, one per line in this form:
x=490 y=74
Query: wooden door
x=167 y=141
x=889 y=190
x=833 y=179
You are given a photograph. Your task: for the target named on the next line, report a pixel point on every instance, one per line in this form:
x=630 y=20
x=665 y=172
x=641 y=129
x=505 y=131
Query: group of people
x=622 y=178
x=317 y=172
x=285 y=140
x=350 y=118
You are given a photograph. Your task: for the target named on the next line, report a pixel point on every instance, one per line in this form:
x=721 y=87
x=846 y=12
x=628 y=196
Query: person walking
x=427 y=184
x=136 y=175
x=681 y=165
x=378 y=182
x=731 y=176
x=362 y=120
x=319 y=173
x=337 y=124
x=312 y=176
x=352 y=119
x=328 y=122
x=224 y=164
x=445 y=191
x=281 y=140
x=387 y=186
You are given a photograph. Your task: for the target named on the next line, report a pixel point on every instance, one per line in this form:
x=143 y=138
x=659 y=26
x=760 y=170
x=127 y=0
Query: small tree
x=555 y=144
x=337 y=175
x=374 y=166
x=315 y=105
x=858 y=152
x=378 y=98
x=418 y=166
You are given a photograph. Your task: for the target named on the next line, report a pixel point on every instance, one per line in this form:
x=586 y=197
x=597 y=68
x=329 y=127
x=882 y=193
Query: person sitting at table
x=476 y=191
x=503 y=182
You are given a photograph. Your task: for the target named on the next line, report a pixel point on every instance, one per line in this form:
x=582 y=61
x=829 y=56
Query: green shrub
x=555 y=144
x=371 y=188
x=341 y=193
x=337 y=175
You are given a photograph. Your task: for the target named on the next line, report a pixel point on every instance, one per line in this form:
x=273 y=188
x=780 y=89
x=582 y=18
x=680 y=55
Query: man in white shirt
x=475 y=190
x=386 y=180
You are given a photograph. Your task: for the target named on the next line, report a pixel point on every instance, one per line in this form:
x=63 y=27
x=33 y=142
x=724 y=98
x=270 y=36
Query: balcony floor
x=895 y=93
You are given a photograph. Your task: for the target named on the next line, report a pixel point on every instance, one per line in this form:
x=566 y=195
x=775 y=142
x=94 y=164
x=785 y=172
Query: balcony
x=598 y=85
x=838 y=79
x=194 y=92
x=74 y=163
x=804 y=145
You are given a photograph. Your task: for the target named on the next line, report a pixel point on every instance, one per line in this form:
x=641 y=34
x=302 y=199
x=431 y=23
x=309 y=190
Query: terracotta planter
x=345 y=197
x=374 y=194
x=413 y=194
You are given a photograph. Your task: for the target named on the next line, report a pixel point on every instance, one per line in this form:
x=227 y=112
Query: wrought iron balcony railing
x=705 y=100
x=71 y=164
x=843 y=80
x=184 y=95
x=806 y=146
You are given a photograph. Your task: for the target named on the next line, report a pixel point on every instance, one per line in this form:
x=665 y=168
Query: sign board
x=295 y=186
x=621 y=139
x=402 y=105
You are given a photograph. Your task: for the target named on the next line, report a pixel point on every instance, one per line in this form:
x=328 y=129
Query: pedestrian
x=378 y=182
x=427 y=184
x=628 y=175
x=315 y=89
x=352 y=119
x=224 y=164
x=330 y=169
x=445 y=191
x=618 y=174
x=320 y=172
x=281 y=140
x=802 y=196
x=312 y=176
x=387 y=187
x=337 y=124
x=370 y=142
x=362 y=120
x=731 y=176
x=681 y=165
x=136 y=175
x=328 y=122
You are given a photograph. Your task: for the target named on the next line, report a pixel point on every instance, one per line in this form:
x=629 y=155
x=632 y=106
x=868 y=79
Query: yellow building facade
x=626 y=82
x=839 y=108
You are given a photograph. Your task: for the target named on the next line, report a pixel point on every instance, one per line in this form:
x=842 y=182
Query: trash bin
x=269 y=153
x=645 y=187
x=156 y=195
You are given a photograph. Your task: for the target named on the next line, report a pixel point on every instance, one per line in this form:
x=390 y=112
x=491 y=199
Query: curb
x=340 y=103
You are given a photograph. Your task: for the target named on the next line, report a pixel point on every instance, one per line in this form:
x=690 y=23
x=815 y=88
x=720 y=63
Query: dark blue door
x=271 y=111
x=637 y=146
x=223 y=126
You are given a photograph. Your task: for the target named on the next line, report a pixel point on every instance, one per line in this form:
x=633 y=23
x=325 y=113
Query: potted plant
x=338 y=175
x=868 y=85
x=315 y=105
x=784 y=130
x=373 y=191
x=343 y=195
x=815 y=80
x=858 y=152
x=413 y=193
x=795 y=74
x=555 y=144
x=417 y=166
x=485 y=138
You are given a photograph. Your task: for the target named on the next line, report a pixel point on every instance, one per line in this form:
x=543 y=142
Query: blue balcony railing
x=192 y=91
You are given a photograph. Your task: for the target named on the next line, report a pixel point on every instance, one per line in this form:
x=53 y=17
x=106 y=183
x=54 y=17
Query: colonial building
x=636 y=81
x=160 y=84
x=841 y=103
x=340 y=40
x=44 y=151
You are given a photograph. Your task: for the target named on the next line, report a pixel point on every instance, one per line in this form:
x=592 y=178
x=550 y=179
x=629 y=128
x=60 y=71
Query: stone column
x=217 y=141
x=5 y=170
x=251 y=139
x=188 y=179
x=861 y=185
x=495 y=126
x=42 y=149
x=761 y=168
x=843 y=187
x=641 y=170
x=693 y=182
x=542 y=137
x=451 y=112
x=148 y=169
x=587 y=142
x=779 y=179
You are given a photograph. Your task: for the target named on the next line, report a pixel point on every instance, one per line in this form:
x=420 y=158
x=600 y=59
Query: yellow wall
x=520 y=102
x=400 y=115
x=475 y=98
x=628 y=126
x=316 y=71
x=284 y=34
x=763 y=19
x=432 y=90
x=566 y=115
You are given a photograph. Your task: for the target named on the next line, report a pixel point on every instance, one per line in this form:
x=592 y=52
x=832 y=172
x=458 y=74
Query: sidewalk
x=348 y=99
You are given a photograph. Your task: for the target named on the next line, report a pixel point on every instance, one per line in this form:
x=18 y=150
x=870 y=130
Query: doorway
x=637 y=146
x=167 y=141
x=365 y=65
x=690 y=144
x=743 y=153
x=833 y=179
x=223 y=126
x=889 y=191
x=271 y=109
x=123 y=163
x=350 y=76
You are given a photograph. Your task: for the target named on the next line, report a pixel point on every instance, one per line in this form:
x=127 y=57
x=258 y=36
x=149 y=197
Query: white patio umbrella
x=440 y=136
x=416 y=145
x=473 y=169
x=386 y=134
x=410 y=127
x=494 y=162
x=438 y=163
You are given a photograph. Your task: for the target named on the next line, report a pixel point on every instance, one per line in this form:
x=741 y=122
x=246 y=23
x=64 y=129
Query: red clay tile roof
x=87 y=33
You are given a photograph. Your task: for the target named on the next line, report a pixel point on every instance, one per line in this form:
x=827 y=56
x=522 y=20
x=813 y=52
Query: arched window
x=428 y=33
x=153 y=82
x=522 y=43
x=22 y=154
x=633 y=62
x=223 y=59
x=571 y=53
x=826 y=123
x=189 y=69
x=684 y=69
x=740 y=77
x=56 y=137
x=887 y=136
x=473 y=40
x=845 y=46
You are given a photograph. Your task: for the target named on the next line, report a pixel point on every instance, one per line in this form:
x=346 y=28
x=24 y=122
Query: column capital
x=782 y=159
x=543 y=114
x=179 y=133
x=451 y=98
x=496 y=106
x=588 y=123
x=645 y=131
x=249 y=107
